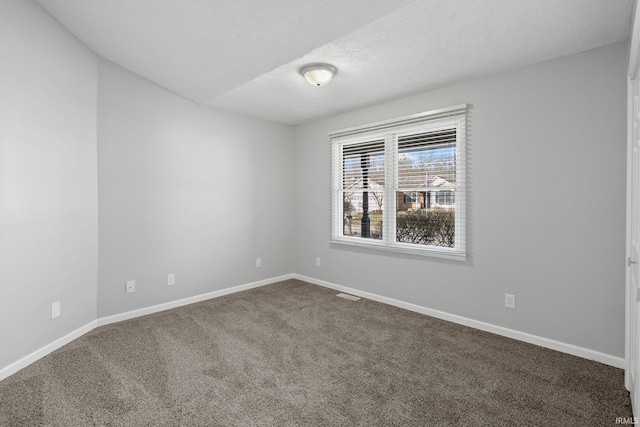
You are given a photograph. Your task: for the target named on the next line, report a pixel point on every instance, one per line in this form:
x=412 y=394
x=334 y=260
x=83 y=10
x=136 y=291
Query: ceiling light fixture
x=318 y=74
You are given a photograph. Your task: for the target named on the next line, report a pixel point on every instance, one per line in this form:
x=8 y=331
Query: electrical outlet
x=317 y=261
x=510 y=301
x=171 y=279
x=55 y=309
x=258 y=262
x=130 y=287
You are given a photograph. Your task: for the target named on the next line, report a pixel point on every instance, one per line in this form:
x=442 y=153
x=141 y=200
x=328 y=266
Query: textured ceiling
x=244 y=55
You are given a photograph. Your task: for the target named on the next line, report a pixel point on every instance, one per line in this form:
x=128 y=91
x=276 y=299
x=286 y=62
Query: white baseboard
x=585 y=353
x=47 y=349
x=190 y=300
x=607 y=359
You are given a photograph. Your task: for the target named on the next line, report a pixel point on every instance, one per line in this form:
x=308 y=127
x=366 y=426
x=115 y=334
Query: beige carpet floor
x=294 y=354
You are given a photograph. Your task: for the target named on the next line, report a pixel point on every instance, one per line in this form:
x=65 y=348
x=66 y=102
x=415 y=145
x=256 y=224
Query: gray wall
x=187 y=190
x=48 y=188
x=546 y=204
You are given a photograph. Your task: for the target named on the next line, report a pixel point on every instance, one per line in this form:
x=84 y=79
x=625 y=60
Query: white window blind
x=400 y=184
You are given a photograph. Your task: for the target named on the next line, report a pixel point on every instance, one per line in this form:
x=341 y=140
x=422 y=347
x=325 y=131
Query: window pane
x=362 y=170
x=421 y=225
x=427 y=159
x=355 y=224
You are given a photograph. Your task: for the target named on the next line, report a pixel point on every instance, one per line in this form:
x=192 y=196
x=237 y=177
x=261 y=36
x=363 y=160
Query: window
x=410 y=197
x=445 y=198
x=400 y=184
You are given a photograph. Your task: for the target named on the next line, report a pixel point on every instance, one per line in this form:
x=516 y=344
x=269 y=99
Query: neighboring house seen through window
x=400 y=184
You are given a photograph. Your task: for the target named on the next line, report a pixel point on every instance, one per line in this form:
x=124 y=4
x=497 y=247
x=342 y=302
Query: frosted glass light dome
x=318 y=74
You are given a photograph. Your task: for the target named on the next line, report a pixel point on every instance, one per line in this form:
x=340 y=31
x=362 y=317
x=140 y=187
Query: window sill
x=431 y=252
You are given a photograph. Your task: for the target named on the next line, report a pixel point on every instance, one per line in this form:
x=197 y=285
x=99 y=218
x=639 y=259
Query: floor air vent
x=349 y=297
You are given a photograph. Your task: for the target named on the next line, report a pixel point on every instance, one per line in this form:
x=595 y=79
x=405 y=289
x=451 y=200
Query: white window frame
x=390 y=130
